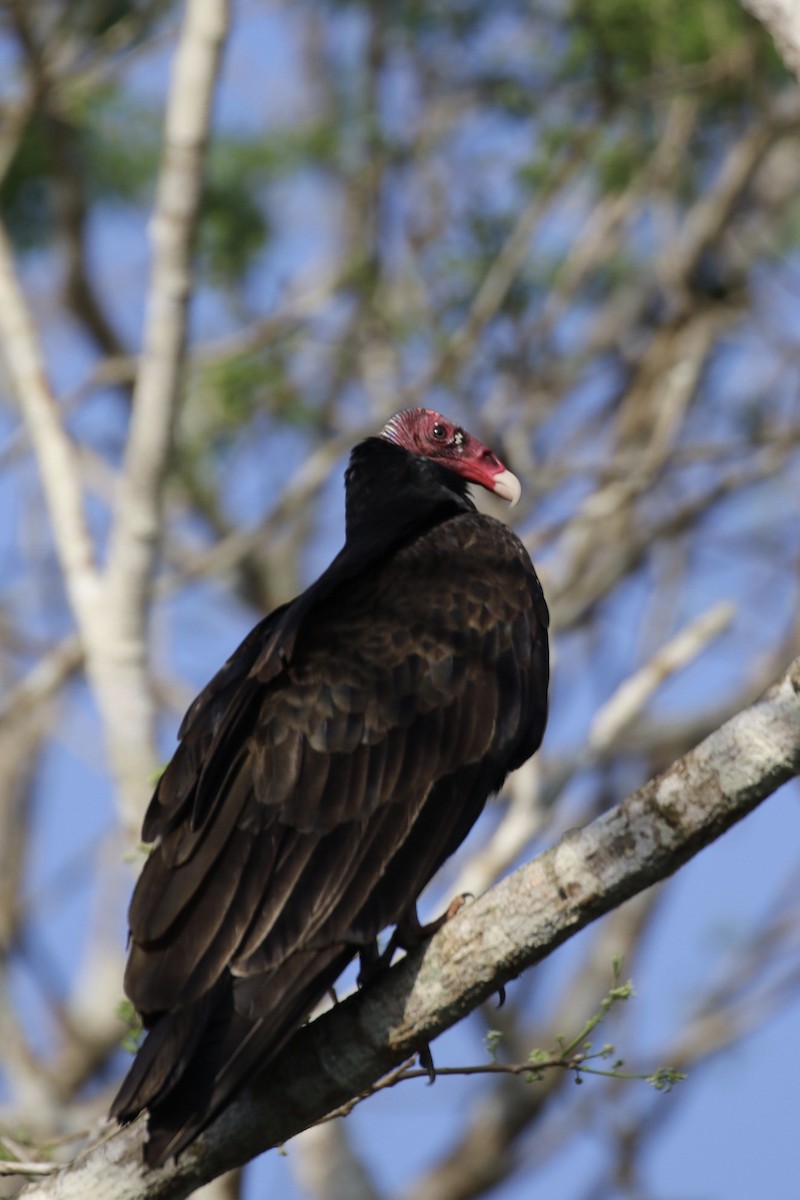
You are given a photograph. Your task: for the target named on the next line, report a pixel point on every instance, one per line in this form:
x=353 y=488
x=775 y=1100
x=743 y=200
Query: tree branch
x=137 y=521
x=518 y=923
x=782 y=19
x=54 y=451
x=137 y=524
x=110 y=607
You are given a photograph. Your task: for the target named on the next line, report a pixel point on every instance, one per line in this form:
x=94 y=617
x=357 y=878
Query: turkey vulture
x=327 y=771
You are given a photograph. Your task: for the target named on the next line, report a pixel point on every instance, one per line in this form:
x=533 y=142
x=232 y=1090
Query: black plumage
x=330 y=767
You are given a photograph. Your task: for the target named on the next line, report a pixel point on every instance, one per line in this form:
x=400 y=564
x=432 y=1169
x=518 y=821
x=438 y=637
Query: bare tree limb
x=43 y=680
x=633 y=694
x=137 y=523
x=155 y=396
x=589 y=873
x=328 y=1166
x=53 y=448
x=782 y=19
x=110 y=608
x=714 y=211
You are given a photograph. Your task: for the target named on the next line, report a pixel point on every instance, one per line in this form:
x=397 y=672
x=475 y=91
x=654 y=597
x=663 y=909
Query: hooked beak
x=506 y=485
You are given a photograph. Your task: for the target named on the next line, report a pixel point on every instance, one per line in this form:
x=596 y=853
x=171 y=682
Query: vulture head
x=424 y=432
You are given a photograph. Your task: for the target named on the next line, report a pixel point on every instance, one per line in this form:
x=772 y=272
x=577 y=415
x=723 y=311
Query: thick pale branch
x=782 y=19
x=713 y=212
x=516 y=924
x=23 y=354
x=110 y=609
x=174 y=225
x=137 y=522
x=631 y=696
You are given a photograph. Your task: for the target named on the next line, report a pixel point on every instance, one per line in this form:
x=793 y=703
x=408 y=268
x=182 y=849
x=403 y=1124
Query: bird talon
x=410 y=932
x=373 y=963
x=456 y=905
x=426 y=1062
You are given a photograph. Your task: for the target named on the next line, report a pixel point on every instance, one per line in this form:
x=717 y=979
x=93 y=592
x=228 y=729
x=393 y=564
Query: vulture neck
x=391 y=494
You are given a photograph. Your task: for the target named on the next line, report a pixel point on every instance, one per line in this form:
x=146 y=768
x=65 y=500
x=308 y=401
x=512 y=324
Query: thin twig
x=54 y=451
x=13 y=1167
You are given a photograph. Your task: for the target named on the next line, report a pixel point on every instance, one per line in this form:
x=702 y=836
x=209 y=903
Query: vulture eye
x=439 y=431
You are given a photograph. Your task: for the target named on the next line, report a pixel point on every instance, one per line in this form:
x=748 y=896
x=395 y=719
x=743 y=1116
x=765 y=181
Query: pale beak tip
x=506 y=485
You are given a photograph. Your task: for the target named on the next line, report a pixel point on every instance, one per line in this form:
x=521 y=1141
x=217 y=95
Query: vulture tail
x=195 y=1059
x=162 y=1060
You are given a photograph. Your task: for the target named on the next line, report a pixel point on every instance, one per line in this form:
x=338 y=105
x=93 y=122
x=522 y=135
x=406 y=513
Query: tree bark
x=782 y=19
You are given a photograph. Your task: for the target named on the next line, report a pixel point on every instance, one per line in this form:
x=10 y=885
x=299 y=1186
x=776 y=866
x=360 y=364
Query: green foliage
x=664 y=1079
x=113 y=144
x=617 y=162
x=234 y=228
x=25 y=191
x=84 y=128
x=234 y=223
x=225 y=397
x=134 y=1036
x=233 y=390
x=492 y=1042
x=634 y=57
x=238 y=385
x=578 y=1053
x=555 y=140
x=786 y=230
x=623 y=42
x=6 y=1153
x=120 y=143
x=94 y=18
x=416 y=18
x=99 y=137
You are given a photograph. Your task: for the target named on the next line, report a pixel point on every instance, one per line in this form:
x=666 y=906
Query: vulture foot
x=409 y=932
x=372 y=963
x=426 y=1062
